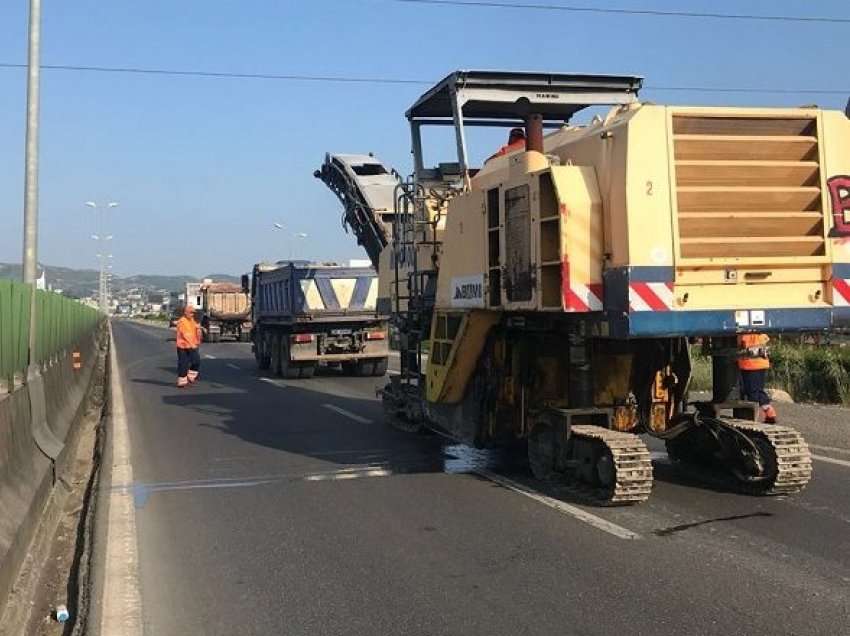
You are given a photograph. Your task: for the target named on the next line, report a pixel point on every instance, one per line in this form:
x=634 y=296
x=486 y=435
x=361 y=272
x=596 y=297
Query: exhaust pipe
x=534 y=133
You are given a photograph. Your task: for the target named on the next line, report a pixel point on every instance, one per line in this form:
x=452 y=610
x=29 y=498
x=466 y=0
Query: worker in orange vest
x=516 y=141
x=188 y=341
x=753 y=363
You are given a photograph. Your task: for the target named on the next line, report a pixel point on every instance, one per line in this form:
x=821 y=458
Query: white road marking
x=278 y=383
x=233 y=366
x=393 y=372
x=660 y=457
x=209 y=357
x=574 y=511
x=344 y=475
x=831 y=460
x=348 y=414
x=833 y=449
x=121 y=612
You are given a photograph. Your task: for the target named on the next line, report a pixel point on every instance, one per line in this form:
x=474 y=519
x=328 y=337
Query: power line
x=220 y=74
x=633 y=12
x=396 y=81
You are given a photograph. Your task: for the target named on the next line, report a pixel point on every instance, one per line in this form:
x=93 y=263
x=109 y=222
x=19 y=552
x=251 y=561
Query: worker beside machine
x=516 y=141
x=753 y=363
x=188 y=342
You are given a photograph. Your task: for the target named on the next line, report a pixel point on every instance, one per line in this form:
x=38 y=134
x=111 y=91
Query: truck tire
x=274 y=345
x=307 y=370
x=288 y=368
x=380 y=368
x=261 y=355
x=348 y=367
x=364 y=368
x=244 y=336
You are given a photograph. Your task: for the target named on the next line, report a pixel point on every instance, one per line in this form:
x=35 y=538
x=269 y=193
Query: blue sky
x=204 y=167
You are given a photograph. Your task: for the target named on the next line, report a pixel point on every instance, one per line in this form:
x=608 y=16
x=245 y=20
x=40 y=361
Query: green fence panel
x=14 y=328
x=60 y=324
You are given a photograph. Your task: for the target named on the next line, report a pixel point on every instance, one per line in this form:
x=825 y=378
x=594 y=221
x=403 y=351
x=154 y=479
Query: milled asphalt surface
x=245 y=525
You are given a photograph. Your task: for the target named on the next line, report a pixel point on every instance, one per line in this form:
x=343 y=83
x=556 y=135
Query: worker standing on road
x=753 y=363
x=188 y=341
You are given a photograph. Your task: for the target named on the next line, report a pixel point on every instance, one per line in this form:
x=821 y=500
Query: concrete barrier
x=33 y=456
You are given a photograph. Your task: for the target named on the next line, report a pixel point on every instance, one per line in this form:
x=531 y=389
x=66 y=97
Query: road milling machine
x=556 y=287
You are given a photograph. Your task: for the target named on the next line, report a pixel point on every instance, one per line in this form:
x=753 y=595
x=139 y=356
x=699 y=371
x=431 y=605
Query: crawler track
x=788 y=457
x=631 y=463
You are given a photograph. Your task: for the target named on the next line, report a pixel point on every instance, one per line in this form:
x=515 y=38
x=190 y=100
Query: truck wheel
x=348 y=367
x=274 y=344
x=288 y=368
x=381 y=365
x=307 y=370
x=261 y=356
x=365 y=368
x=244 y=336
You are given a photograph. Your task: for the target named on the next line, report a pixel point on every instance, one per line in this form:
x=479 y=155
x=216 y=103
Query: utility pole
x=29 y=260
x=30 y=256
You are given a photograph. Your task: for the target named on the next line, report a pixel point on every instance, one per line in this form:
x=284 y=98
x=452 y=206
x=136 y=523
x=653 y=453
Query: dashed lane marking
x=833 y=449
x=574 y=511
x=277 y=383
x=230 y=365
x=348 y=414
x=832 y=460
x=142 y=492
x=349 y=474
x=209 y=356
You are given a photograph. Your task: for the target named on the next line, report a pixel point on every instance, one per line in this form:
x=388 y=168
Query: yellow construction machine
x=556 y=288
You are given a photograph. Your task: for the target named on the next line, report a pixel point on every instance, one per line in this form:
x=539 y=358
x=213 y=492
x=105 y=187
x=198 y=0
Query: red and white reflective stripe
x=650 y=296
x=302 y=338
x=841 y=292
x=583 y=297
x=579 y=297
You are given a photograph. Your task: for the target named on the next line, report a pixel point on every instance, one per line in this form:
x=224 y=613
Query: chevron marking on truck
x=841 y=292
x=650 y=296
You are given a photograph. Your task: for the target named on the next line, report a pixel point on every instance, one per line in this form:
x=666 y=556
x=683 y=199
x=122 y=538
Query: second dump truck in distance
x=225 y=311
x=306 y=313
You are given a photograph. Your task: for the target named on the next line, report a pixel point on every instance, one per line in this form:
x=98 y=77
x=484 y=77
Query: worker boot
x=769 y=414
x=182 y=382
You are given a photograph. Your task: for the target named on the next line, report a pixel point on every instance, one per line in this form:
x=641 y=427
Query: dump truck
x=308 y=313
x=557 y=286
x=225 y=312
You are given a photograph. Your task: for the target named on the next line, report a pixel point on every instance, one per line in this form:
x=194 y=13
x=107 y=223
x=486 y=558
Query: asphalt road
x=272 y=507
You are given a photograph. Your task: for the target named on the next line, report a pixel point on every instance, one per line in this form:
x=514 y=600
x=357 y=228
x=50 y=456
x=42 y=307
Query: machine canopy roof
x=506 y=95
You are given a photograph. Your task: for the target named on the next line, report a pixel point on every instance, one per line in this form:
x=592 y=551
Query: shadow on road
x=313 y=418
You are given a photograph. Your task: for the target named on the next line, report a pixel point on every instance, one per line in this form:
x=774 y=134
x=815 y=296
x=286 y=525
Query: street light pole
x=30 y=256
x=101 y=238
x=291 y=238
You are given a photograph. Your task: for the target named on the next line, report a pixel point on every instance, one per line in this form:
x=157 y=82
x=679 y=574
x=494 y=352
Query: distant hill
x=83 y=282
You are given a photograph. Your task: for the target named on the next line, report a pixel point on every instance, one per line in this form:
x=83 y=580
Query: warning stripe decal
x=650 y=296
x=841 y=292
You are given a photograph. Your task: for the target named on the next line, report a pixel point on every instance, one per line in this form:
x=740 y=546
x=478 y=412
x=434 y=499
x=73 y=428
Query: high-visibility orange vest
x=188 y=334
x=752 y=354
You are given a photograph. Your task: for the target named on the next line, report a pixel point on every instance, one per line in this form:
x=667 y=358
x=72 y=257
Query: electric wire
x=488 y=4
x=388 y=80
